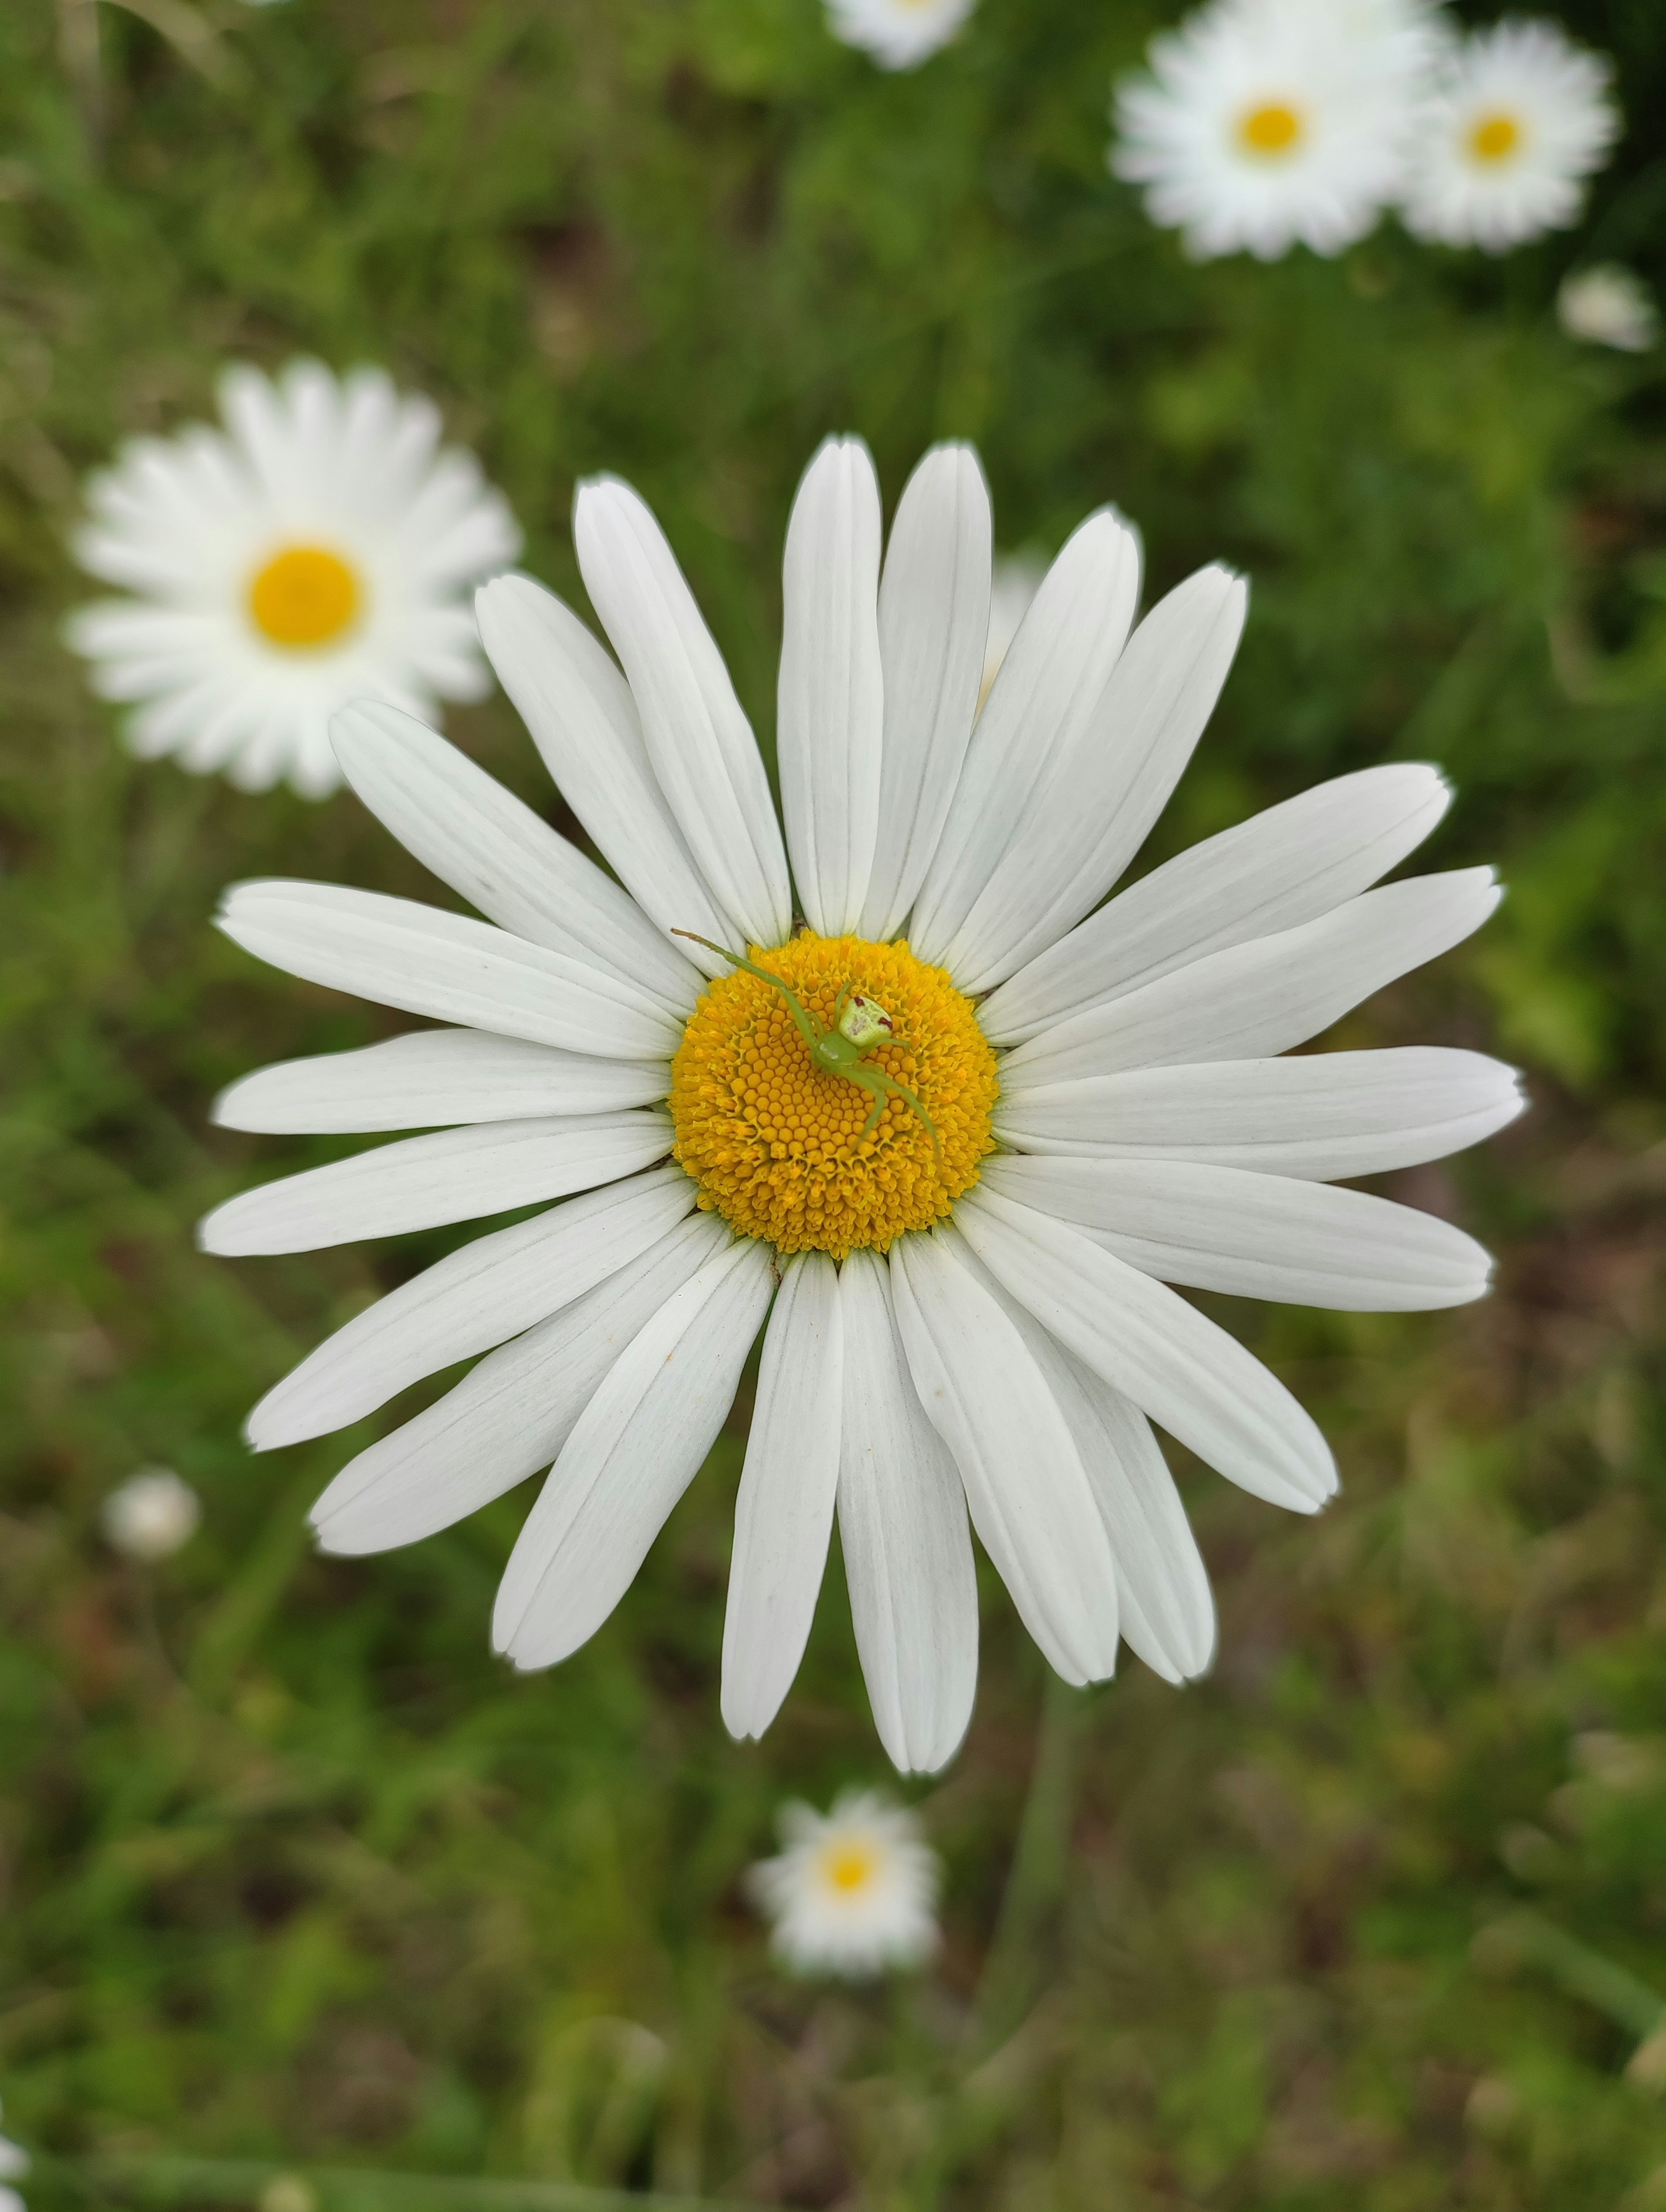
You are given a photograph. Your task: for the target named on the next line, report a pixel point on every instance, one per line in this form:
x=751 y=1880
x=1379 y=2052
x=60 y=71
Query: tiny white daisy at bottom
x=1518 y=118
x=853 y=1893
x=318 y=548
x=947 y=1143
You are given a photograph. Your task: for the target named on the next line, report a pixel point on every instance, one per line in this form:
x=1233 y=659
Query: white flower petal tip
x=1253 y=1236
x=1188 y=1375
x=854 y=1891
x=1517 y=119
x=698 y=741
x=1293 y=863
x=445 y=966
x=830 y=718
x=1609 y=305
x=896 y=34
x=784 y=1511
x=633 y=1450
x=479 y=1297
x=903 y=1527
x=424 y=1182
x=516 y=870
x=1269 y=124
x=317 y=546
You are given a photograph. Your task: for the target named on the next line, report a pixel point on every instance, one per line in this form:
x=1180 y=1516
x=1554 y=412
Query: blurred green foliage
x=290 y=1870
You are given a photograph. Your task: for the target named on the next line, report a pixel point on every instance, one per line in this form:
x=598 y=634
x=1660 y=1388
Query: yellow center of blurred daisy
x=776 y=1143
x=1271 y=129
x=304 y=597
x=1495 y=137
x=850 y=1865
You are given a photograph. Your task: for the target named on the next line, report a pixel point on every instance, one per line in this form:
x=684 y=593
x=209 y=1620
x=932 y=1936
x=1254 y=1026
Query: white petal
x=1326 y=1117
x=1166 y=1609
x=474 y=1298
x=831 y=719
x=1048 y=686
x=512 y=1413
x=1282 y=867
x=433 y=1079
x=933 y=620
x=443 y=965
x=479 y=839
x=1145 y=1340
x=422 y=1182
x=1105 y=785
x=908 y=1553
x=783 y=1514
x=636 y=1447
x=1253 y=1236
x=583 y=721
x=1264 y=997
x=704 y=756
x=1030 y=1498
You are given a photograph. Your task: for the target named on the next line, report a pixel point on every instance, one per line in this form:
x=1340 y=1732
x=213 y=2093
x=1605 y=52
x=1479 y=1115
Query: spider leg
x=886 y=1086
x=812 y=1037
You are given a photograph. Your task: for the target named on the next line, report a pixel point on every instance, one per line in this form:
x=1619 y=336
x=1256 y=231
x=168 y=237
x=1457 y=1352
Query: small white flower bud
x=152 y=1515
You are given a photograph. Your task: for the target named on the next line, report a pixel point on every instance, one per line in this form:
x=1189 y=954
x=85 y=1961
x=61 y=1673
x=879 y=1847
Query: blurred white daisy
x=1267 y=123
x=318 y=548
x=152 y=1515
x=804 y=1133
x=898 y=34
x=13 y=2164
x=1518 y=118
x=1609 y=305
x=853 y=1893
x=1017 y=579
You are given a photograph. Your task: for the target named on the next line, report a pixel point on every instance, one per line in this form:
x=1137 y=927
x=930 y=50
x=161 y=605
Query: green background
x=290 y=1870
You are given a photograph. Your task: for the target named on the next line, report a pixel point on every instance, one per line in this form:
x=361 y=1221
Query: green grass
x=293 y=1875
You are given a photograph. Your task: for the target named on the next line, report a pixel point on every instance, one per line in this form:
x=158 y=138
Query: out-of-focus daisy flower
x=898 y=33
x=1267 y=123
x=152 y=1515
x=1609 y=306
x=318 y=548
x=1517 y=120
x=798 y=1125
x=1016 y=578
x=852 y=1894
x=13 y=2164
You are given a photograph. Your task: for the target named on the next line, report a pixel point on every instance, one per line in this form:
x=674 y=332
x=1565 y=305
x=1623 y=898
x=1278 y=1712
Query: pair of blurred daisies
x=1262 y=125
x=851 y=1893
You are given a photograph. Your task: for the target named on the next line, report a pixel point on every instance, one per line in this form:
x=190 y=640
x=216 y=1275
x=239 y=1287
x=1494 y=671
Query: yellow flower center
x=1271 y=129
x=850 y=1866
x=1495 y=137
x=776 y=1143
x=305 y=596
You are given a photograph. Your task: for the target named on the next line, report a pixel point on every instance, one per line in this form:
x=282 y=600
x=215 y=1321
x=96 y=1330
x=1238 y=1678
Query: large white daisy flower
x=898 y=34
x=853 y=1893
x=952 y=1140
x=1268 y=124
x=320 y=548
x=1518 y=118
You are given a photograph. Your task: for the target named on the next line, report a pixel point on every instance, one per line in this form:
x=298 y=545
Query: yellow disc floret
x=776 y=1143
x=303 y=597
